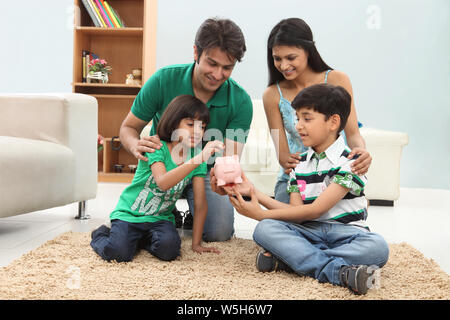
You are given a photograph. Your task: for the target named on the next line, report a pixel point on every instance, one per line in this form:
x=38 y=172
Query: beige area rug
x=67 y=268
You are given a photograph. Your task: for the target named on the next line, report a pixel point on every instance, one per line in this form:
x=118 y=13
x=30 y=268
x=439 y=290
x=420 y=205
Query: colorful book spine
x=110 y=13
x=103 y=13
x=92 y=6
x=91 y=13
x=98 y=13
x=119 y=19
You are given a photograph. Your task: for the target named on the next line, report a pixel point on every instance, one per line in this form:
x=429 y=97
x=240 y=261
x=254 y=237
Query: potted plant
x=98 y=71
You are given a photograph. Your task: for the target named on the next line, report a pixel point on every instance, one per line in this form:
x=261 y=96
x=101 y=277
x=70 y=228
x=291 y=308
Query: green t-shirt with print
x=142 y=201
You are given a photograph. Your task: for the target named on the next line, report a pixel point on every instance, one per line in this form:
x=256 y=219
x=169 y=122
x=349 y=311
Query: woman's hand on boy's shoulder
x=362 y=162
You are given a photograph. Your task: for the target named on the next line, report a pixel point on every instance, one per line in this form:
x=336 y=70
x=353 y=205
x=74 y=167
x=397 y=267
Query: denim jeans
x=320 y=249
x=280 y=191
x=219 y=223
x=120 y=243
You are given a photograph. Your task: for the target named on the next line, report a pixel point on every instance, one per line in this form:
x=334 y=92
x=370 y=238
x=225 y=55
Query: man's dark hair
x=326 y=99
x=221 y=33
x=181 y=107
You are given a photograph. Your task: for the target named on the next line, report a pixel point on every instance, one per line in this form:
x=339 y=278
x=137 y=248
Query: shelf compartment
x=123 y=54
x=112 y=157
x=111 y=113
x=131 y=12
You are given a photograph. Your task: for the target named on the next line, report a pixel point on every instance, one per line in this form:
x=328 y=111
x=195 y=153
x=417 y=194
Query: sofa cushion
x=35 y=175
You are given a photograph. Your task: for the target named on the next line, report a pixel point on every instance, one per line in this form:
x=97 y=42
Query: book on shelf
x=92 y=13
x=110 y=13
x=103 y=14
x=118 y=17
x=87 y=57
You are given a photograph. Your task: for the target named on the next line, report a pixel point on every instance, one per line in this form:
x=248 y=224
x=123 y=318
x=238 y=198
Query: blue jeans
x=280 y=191
x=219 y=223
x=120 y=243
x=320 y=249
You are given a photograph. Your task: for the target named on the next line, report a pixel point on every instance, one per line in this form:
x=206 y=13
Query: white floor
x=421 y=217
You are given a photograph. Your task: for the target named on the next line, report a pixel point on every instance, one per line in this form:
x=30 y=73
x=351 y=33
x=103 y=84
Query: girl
x=143 y=216
x=294 y=64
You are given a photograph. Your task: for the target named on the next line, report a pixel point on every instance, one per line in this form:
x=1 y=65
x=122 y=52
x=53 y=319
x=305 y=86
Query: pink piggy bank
x=227 y=170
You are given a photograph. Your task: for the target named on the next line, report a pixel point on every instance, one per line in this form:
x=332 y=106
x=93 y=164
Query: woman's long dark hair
x=293 y=32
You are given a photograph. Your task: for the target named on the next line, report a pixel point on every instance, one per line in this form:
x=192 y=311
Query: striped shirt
x=315 y=172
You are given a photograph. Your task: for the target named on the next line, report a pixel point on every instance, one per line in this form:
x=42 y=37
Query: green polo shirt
x=230 y=108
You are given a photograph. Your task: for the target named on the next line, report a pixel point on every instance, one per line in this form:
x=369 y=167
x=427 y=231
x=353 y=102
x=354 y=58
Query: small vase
x=97 y=77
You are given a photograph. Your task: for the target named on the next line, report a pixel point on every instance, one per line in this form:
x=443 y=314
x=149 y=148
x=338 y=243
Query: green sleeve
x=292 y=185
x=148 y=100
x=348 y=180
x=239 y=125
x=159 y=155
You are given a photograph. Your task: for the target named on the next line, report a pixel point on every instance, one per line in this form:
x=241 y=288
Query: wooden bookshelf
x=132 y=47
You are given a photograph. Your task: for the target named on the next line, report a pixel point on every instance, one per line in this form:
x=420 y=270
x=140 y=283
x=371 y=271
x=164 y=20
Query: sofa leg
x=383 y=203
x=82 y=211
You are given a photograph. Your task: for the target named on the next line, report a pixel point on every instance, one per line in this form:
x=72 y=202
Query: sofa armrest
x=383 y=177
x=68 y=119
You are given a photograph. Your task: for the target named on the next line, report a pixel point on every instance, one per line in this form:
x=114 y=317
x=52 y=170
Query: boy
x=322 y=232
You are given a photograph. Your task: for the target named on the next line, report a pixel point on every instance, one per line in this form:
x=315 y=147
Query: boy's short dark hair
x=221 y=33
x=181 y=107
x=326 y=99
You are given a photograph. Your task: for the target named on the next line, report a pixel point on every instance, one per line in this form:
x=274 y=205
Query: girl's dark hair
x=181 y=107
x=293 y=32
x=326 y=99
x=221 y=33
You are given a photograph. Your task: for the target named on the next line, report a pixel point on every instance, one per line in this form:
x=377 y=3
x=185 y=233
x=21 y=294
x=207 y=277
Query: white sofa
x=48 y=151
x=260 y=163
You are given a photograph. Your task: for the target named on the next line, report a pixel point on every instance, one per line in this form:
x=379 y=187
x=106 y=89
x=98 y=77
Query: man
x=219 y=45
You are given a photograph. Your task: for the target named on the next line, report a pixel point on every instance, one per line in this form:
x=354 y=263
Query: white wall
x=396 y=53
x=36 y=46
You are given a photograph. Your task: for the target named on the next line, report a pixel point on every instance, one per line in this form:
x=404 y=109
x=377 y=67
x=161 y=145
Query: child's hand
x=250 y=209
x=210 y=148
x=244 y=187
x=200 y=249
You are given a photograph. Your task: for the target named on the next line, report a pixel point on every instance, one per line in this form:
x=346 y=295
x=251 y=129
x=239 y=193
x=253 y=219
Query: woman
x=294 y=64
